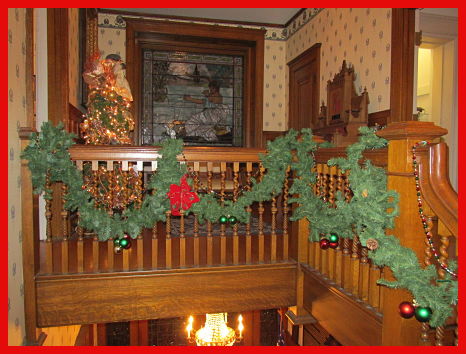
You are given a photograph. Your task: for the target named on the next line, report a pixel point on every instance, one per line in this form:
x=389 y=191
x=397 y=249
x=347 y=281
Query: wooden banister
x=151 y=153
x=408 y=228
x=435 y=185
x=378 y=157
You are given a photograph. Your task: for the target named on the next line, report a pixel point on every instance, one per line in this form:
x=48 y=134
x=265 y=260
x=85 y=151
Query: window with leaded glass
x=194 y=96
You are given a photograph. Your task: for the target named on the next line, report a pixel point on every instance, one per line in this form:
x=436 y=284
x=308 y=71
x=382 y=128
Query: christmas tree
x=108 y=119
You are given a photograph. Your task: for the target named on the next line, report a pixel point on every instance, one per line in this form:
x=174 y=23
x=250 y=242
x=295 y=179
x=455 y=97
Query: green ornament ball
x=333 y=237
x=125 y=243
x=116 y=242
x=423 y=314
x=223 y=219
x=232 y=220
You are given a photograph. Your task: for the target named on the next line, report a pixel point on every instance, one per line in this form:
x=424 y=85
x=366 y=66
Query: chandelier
x=215 y=331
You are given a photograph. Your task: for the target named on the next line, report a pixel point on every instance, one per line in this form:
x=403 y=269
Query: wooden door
x=304 y=89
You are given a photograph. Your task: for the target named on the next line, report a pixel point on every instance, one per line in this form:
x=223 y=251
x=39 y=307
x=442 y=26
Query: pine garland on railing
x=369 y=213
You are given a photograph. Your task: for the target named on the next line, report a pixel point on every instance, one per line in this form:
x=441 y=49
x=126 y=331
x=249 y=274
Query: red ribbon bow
x=181 y=196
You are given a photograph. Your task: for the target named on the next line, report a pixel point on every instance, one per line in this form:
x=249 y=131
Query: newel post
x=30 y=245
x=408 y=228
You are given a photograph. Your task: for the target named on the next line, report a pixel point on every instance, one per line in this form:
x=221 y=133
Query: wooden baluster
x=137 y=204
x=182 y=241
x=364 y=275
x=168 y=241
x=325 y=196
x=155 y=247
x=332 y=171
x=318 y=252
x=338 y=254
x=425 y=340
x=196 y=248
x=80 y=231
x=64 y=242
x=261 y=221
x=273 y=245
x=80 y=248
x=355 y=266
x=140 y=251
x=374 y=288
x=346 y=187
x=48 y=233
x=285 y=215
x=210 y=244
x=455 y=333
x=325 y=183
x=110 y=250
x=346 y=262
x=95 y=254
x=95 y=240
x=249 y=210
x=235 y=227
x=223 y=239
x=313 y=252
x=432 y=224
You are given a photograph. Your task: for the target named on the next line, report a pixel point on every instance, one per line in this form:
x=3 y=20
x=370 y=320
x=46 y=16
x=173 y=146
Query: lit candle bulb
x=189 y=327
x=240 y=325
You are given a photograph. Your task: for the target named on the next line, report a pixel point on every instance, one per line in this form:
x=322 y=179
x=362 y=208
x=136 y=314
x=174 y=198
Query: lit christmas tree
x=108 y=119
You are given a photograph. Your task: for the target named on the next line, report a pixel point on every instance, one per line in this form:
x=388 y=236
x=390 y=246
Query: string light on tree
x=108 y=119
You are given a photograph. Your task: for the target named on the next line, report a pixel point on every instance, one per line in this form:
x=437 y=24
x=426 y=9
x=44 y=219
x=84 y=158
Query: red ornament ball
x=333 y=245
x=324 y=243
x=406 y=309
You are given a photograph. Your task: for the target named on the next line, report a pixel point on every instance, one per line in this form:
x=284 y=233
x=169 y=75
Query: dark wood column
x=402 y=65
x=58 y=53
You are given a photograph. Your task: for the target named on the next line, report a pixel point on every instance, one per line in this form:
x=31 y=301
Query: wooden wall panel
x=350 y=322
x=150 y=295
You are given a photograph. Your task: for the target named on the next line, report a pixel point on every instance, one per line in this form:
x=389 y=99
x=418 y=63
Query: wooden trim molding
x=250 y=42
x=402 y=65
x=189 y=18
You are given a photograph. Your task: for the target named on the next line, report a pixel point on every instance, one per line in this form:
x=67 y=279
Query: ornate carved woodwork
x=345 y=112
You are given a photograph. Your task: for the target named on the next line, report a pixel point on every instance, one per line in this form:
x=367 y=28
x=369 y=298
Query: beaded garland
x=421 y=210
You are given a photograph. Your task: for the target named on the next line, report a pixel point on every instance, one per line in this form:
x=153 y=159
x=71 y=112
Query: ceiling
x=452 y=12
x=258 y=15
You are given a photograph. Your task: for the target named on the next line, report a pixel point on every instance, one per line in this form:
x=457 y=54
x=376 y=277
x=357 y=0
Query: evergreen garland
x=369 y=213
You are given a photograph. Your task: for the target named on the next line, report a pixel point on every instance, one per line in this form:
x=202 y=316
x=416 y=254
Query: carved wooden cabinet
x=345 y=112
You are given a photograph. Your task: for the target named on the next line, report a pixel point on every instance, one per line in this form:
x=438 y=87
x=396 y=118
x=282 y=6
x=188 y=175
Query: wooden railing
x=279 y=265
x=346 y=266
x=180 y=242
x=441 y=209
x=440 y=204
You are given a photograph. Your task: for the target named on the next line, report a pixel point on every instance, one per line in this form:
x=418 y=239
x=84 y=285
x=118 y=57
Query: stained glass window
x=195 y=96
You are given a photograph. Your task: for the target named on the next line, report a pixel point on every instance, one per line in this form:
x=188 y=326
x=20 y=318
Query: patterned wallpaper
x=16 y=119
x=74 y=69
x=362 y=36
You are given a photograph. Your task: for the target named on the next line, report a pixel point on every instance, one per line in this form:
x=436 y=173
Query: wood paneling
x=83 y=299
x=304 y=89
x=349 y=321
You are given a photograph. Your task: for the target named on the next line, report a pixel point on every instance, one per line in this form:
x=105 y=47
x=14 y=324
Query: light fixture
x=215 y=331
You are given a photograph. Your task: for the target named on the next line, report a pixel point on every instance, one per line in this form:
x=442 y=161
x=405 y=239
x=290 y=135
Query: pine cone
x=372 y=244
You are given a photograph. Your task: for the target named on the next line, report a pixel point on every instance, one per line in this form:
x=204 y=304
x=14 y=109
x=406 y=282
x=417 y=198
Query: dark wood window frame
x=227 y=40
